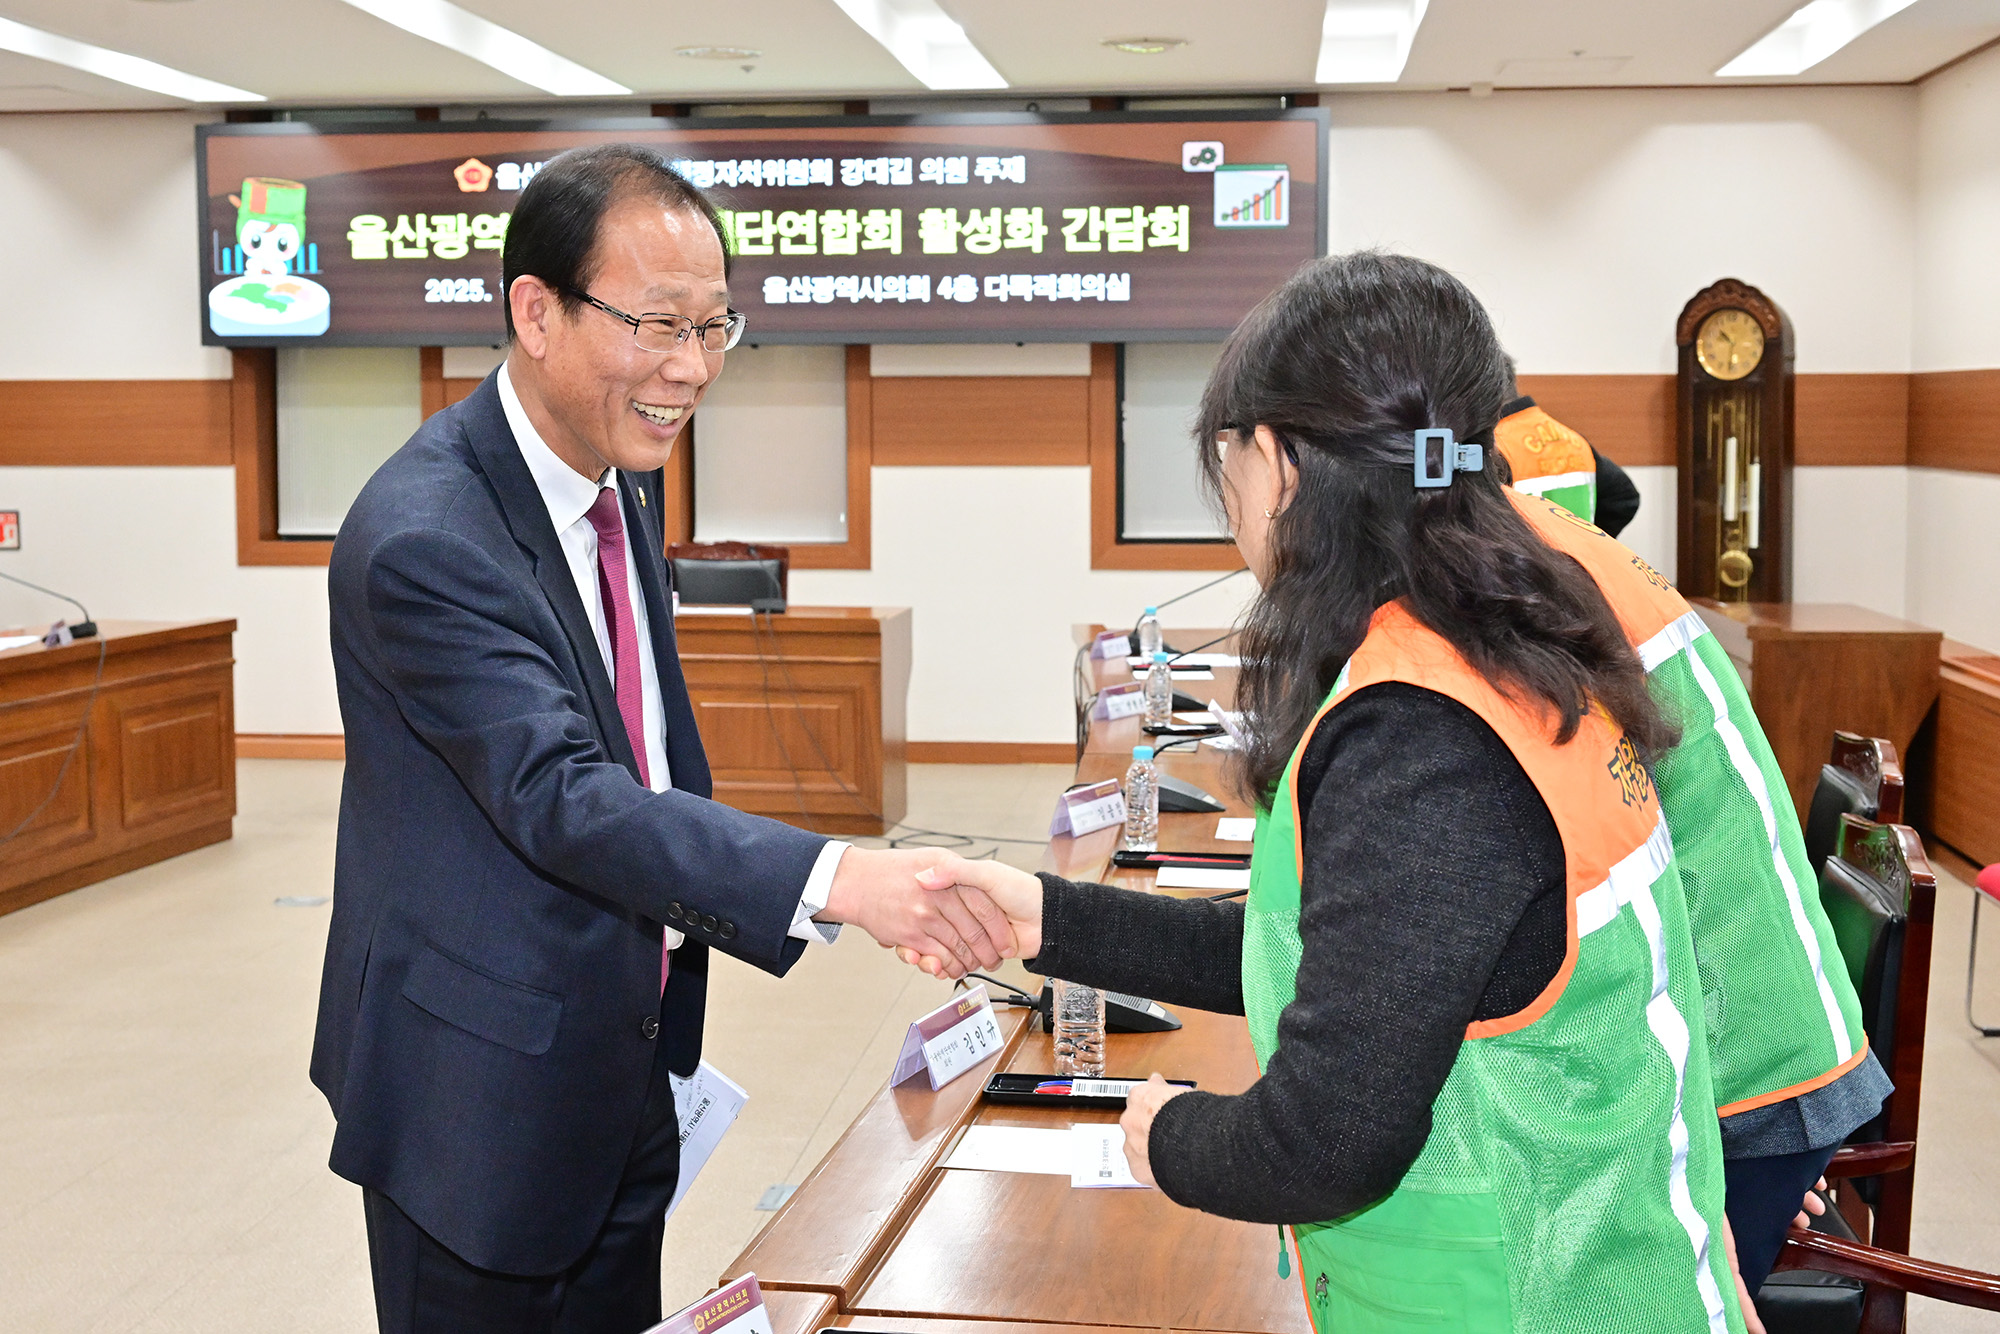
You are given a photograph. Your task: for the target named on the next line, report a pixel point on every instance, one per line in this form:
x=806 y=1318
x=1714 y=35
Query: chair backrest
x=1863 y=778
x=731 y=573
x=1880 y=895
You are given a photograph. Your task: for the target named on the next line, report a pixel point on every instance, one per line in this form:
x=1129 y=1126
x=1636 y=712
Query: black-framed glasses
x=661 y=332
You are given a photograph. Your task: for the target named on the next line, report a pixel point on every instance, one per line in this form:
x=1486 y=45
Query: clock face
x=1729 y=344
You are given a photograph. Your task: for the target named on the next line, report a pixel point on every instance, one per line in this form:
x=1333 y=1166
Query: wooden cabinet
x=1964 y=766
x=1812 y=668
x=155 y=773
x=803 y=713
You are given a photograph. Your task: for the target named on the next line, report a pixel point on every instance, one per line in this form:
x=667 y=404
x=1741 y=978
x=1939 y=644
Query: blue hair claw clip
x=1436 y=456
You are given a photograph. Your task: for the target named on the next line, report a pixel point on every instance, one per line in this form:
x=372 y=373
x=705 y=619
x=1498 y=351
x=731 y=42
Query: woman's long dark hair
x=1343 y=364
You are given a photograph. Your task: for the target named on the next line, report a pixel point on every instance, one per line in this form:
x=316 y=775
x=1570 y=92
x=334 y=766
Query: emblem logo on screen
x=1201 y=154
x=271 y=296
x=1253 y=195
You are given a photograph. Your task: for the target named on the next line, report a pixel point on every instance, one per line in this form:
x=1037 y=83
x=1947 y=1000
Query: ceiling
x=327 y=53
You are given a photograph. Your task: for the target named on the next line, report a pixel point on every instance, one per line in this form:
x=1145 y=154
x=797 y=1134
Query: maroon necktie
x=616 y=593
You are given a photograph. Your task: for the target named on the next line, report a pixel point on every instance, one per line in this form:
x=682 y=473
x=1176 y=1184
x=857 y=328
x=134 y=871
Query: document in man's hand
x=707 y=1103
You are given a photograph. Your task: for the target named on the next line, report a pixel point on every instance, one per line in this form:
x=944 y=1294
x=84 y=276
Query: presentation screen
x=966 y=228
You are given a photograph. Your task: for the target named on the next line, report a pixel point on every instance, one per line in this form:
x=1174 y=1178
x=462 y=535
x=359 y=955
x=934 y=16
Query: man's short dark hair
x=553 y=234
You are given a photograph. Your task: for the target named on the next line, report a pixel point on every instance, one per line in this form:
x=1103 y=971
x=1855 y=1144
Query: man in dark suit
x=530 y=871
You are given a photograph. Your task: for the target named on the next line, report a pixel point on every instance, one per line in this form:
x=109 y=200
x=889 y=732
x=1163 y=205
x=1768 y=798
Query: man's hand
x=1142 y=1104
x=880 y=892
x=1015 y=893
x=1752 y=1322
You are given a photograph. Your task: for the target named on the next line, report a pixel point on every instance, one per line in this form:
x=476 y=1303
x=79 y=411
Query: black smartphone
x=1153 y=861
x=1064 y=1090
x=1180 y=729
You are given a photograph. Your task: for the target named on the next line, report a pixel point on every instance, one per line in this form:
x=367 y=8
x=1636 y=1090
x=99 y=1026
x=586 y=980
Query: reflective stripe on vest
x=1549 y=459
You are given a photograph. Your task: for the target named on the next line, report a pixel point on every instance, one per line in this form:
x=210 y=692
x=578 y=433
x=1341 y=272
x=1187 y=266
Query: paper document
x=1201 y=877
x=707 y=1103
x=708 y=609
x=1098 y=1160
x=1203 y=719
x=1236 y=829
x=18 y=641
x=1186 y=660
x=1013 y=1149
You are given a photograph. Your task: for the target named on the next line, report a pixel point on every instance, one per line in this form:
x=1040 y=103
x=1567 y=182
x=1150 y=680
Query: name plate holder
x=736 y=1308
x=1124 y=700
x=950 y=1040
x=1111 y=644
x=1087 y=809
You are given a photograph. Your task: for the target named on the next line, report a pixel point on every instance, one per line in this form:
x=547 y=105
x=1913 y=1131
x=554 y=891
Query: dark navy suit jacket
x=501 y=875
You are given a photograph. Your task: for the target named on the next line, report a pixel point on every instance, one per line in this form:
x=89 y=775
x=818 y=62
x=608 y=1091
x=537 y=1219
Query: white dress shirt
x=569 y=496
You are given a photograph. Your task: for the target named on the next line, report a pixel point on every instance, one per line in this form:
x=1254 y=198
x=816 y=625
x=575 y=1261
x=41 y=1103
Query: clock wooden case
x=1734 y=436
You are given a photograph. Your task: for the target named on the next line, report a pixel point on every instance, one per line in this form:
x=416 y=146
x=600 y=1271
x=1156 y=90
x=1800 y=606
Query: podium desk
x=155 y=775
x=1812 y=668
x=902 y=1243
x=803 y=712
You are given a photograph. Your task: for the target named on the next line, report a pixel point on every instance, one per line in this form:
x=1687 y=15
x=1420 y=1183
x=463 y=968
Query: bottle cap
x=1142 y=752
x=1152 y=611
x=1161 y=657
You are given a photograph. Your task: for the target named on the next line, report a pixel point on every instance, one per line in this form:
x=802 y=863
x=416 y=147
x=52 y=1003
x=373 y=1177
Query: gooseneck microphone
x=83 y=629
x=1241 y=569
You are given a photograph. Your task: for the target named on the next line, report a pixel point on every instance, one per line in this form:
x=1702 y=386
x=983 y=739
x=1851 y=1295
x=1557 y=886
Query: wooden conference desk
x=156 y=774
x=900 y=1243
x=803 y=712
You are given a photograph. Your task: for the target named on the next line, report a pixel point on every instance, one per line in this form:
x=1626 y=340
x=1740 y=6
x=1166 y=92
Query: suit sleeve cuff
x=813 y=898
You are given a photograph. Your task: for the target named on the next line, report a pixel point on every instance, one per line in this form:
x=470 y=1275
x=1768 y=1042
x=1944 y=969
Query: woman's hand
x=1815 y=1207
x=1751 y=1321
x=1142 y=1104
x=1015 y=893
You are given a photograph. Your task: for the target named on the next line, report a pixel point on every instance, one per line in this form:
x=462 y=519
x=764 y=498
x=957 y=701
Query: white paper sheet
x=18 y=641
x=1236 y=829
x=1202 y=719
x=707 y=1103
x=1098 y=1161
x=1013 y=1149
x=1202 y=877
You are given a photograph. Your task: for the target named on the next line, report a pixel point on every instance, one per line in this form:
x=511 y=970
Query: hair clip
x=1435 y=456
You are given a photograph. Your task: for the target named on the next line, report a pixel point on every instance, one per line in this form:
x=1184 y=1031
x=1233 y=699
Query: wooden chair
x=1866 y=1288
x=1863 y=778
x=678 y=553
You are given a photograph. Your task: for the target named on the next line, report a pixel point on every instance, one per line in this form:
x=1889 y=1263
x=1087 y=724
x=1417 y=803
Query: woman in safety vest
x=1485 y=1099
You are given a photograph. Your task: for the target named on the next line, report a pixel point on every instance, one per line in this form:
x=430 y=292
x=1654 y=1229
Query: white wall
x=1584 y=219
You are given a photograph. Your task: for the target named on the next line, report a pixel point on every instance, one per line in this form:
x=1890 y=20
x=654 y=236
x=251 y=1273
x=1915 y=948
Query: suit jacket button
x=649 y=1027
x=674 y=910
x=727 y=931
x=708 y=923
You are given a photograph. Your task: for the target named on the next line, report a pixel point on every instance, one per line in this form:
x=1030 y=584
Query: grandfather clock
x=1734 y=437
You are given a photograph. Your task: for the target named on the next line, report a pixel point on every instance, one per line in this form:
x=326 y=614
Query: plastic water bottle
x=1142 y=802
x=1150 y=639
x=1159 y=692
x=1079 y=1016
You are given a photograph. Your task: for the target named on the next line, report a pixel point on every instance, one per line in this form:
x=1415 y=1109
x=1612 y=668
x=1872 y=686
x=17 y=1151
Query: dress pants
x=423 y=1288
x=1764 y=1195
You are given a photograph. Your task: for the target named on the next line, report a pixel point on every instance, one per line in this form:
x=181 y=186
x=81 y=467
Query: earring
x=1270 y=514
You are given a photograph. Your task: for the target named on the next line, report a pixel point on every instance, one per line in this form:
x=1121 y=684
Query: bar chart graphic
x=1253 y=195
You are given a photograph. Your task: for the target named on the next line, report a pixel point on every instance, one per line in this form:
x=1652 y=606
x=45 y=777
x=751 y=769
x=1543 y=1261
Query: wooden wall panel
x=1852 y=420
x=1629 y=417
x=1955 y=420
x=981 y=420
x=106 y=423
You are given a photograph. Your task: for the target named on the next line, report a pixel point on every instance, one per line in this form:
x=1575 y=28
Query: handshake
x=937 y=910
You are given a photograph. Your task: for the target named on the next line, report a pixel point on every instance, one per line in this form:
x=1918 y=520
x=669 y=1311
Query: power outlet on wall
x=10 y=530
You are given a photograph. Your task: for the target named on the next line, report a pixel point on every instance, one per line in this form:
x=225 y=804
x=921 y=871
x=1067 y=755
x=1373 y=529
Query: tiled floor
x=163 y=1157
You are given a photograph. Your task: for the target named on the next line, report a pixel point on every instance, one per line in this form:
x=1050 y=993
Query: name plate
x=1111 y=644
x=737 y=1308
x=950 y=1040
x=1085 y=810
x=1120 y=701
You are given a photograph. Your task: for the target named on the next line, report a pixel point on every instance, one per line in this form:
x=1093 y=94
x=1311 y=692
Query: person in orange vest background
x=1549 y=459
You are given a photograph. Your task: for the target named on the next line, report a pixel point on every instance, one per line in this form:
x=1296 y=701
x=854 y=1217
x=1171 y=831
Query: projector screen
x=980 y=228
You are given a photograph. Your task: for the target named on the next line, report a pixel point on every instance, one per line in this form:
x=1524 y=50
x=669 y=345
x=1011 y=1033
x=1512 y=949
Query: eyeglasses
x=660 y=332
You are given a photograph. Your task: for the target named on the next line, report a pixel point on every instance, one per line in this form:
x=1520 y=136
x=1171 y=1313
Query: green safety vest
x=1781 y=1012
x=1572 y=1178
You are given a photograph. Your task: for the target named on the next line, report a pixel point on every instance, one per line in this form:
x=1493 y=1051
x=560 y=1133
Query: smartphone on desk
x=1064 y=1090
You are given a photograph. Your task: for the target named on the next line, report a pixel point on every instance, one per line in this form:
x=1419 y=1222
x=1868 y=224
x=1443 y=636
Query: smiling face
x=597 y=398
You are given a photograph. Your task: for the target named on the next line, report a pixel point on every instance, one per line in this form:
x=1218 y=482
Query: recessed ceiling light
x=1144 y=46
x=117 y=66
x=926 y=41
x=718 y=52
x=1813 y=32
x=1363 y=41
x=490 y=44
